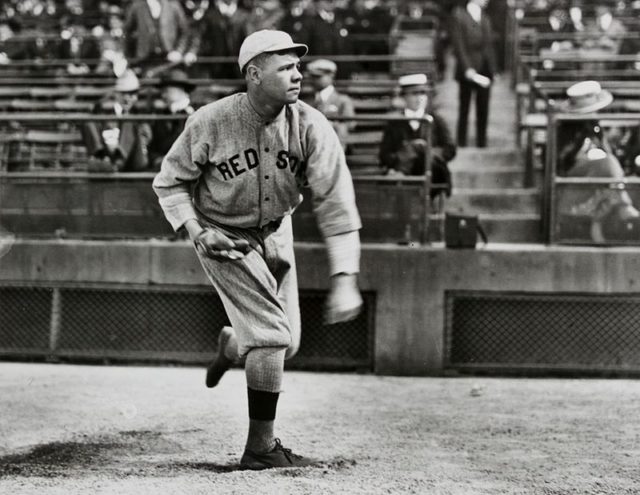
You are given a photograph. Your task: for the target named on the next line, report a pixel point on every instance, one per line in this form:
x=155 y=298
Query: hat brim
x=605 y=98
x=300 y=48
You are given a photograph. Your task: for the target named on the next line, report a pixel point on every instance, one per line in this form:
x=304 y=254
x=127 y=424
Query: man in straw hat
x=232 y=179
x=175 y=88
x=118 y=146
x=403 y=146
x=584 y=151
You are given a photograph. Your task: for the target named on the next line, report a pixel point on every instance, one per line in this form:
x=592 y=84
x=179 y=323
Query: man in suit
x=175 y=87
x=157 y=30
x=114 y=146
x=472 y=39
x=403 y=144
x=219 y=33
x=328 y=100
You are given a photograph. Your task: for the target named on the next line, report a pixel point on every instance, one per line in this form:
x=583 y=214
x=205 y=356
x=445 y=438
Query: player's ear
x=254 y=74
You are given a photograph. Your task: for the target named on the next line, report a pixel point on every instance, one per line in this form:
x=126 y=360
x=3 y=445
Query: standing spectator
x=328 y=100
x=472 y=39
x=402 y=151
x=176 y=88
x=369 y=21
x=118 y=146
x=111 y=41
x=219 y=33
x=298 y=20
x=156 y=31
x=265 y=14
x=328 y=35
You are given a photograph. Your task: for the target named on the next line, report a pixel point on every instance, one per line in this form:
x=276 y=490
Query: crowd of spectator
x=175 y=31
x=605 y=27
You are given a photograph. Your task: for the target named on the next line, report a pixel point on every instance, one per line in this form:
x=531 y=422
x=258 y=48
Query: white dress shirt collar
x=417 y=114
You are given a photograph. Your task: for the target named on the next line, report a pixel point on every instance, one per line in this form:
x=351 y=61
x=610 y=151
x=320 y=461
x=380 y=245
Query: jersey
x=235 y=168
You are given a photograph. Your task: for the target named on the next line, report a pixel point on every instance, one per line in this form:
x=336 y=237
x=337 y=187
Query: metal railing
x=122 y=204
x=587 y=210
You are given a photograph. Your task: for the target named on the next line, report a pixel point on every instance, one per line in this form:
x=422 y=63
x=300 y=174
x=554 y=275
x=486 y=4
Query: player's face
x=281 y=78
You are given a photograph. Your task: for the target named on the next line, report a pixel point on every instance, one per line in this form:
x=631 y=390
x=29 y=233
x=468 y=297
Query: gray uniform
x=233 y=170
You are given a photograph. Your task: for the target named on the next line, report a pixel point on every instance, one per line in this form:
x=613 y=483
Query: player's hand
x=214 y=244
x=344 y=301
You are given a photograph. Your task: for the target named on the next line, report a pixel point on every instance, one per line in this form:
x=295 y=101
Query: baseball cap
x=321 y=66
x=267 y=41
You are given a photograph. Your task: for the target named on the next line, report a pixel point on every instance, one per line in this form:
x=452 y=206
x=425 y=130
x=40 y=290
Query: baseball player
x=232 y=179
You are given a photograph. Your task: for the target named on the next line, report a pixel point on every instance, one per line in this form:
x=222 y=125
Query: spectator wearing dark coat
x=156 y=30
x=402 y=151
x=176 y=88
x=118 y=146
x=219 y=33
x=472 y=39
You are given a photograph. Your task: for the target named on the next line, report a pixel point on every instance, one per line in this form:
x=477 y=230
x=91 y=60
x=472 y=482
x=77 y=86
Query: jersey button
x=266 y=177
x=266 y=199
x=266 y=150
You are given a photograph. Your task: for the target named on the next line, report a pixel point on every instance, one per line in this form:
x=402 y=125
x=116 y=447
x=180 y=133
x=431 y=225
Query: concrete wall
x=410 y=283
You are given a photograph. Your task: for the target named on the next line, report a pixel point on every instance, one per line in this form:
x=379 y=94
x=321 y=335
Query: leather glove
x=214 y=244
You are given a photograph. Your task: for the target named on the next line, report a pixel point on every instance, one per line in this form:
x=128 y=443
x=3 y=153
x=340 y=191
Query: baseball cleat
x=221 y=363
x=279 y=457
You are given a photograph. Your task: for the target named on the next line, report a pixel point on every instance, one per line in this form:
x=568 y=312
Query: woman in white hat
x=584 y=151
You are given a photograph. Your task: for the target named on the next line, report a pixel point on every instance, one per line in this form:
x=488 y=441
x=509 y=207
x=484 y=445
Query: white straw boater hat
x=586 y=97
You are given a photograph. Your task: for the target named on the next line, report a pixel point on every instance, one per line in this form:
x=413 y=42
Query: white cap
x=267 y=41
x=413 y=80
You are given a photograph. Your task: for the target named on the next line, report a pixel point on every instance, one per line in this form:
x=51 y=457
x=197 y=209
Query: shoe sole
x=222 y=344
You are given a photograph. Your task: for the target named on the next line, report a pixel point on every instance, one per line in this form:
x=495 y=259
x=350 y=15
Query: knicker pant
x=260 y=291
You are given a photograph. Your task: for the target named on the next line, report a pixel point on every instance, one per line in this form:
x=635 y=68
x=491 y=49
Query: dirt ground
x=130 y=430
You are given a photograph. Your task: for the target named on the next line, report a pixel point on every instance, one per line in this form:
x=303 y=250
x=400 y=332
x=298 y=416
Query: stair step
x=488 y=177
x=510 y=228
x=482 y=201
x=478 y=158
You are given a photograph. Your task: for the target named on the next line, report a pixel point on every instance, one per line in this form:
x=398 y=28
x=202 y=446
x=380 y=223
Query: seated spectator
x=157 y=31
x=118 y=146
x=111 y=42
x=175 y=87
x=559 y=24
x=402 y=151
x=605 y=32
x=584 y=151
x=11 y=49
x=327 y=99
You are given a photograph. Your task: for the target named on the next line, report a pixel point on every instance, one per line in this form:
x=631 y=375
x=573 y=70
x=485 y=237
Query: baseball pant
x=260 y=291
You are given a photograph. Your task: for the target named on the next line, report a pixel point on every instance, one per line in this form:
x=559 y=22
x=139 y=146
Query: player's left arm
x=335 y=208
